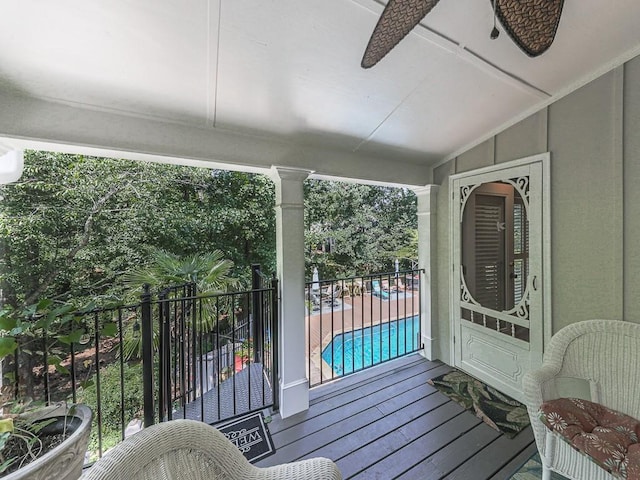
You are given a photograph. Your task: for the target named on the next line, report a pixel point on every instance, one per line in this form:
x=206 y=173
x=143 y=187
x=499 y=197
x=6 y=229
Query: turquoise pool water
x=353 y=351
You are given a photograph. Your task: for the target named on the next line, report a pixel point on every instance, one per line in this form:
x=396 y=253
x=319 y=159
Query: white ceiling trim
x=129 y=155
x=463 y=53
x=30 y=123
x=606 y=68
x=333 y=178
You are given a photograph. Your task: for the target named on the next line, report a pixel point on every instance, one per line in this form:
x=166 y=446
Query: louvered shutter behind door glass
x=489 y=248
x=520 y=250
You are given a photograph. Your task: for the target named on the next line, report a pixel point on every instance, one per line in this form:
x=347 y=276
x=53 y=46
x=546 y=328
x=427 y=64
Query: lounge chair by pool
x=378 y=291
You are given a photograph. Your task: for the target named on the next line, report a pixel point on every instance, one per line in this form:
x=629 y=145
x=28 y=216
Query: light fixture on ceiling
x=495 y=32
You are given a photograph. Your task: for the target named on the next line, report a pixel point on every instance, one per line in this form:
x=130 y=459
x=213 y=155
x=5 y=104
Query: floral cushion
x=610 y=438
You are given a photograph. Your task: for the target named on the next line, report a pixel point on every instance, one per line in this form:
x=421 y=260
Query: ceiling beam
x=34 y=123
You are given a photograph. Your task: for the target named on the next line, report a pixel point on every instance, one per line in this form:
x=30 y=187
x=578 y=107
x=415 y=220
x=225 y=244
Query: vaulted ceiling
x=290 y=69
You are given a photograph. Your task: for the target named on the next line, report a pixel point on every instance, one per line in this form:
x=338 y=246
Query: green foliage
x=364 y=226
x=208 y=271
x=73 y=225
x=409 y=251
x=111 y=402
x=26 y=328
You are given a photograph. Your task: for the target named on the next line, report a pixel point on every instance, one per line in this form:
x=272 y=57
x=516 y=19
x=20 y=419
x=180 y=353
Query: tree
x=355 y=229
x=208 y=272
x=73 y=225
x=410 y=250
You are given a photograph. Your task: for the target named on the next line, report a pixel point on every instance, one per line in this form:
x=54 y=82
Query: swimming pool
x=353 y=351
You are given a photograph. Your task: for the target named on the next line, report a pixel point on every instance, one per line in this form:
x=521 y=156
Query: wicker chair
x=604 y=353
x=186 y=449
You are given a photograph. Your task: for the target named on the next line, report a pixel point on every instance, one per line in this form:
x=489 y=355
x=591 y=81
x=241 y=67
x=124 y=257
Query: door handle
x=534 y=282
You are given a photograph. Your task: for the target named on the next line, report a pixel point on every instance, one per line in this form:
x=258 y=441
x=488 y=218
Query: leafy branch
x=84 y=241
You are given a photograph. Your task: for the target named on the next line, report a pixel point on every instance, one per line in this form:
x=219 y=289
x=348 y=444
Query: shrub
x=111 y=403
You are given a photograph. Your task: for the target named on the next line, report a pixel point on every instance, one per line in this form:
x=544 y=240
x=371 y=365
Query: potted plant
x=46 y=444
x=39 y=442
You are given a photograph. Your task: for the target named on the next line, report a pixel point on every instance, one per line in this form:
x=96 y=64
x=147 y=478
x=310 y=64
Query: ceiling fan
x=531 y=24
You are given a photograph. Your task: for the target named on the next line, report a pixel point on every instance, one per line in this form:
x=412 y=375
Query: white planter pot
x=65 y=461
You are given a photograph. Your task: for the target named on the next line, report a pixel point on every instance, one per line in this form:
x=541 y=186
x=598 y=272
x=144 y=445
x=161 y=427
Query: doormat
x=532 y=470
x=250 y=435
x=496 y=409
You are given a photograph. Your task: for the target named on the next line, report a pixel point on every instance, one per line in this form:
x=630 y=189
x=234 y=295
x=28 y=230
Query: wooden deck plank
x=425 y=446
x=465 y=447
x=344 y=435
x=388 y=423
x=384 y=376
x=482 y=464
x=460 y=449
x=431 y=411
x=516 y=462
x=340 y=422
x=342 y=398
x=417 y=431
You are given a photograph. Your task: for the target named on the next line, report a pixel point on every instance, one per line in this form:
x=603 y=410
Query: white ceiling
x=291 y=68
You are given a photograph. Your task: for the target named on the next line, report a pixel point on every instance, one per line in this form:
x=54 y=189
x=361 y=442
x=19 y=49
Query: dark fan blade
x=397 y=20
x=531 y=24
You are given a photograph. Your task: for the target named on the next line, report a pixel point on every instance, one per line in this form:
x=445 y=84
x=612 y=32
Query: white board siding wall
x=593 y=135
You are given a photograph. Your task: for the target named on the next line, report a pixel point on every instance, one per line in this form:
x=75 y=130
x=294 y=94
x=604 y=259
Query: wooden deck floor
x=388 y=423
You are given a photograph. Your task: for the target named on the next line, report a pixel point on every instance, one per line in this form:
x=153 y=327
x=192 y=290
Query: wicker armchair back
x=604 y=353
x=196 y=451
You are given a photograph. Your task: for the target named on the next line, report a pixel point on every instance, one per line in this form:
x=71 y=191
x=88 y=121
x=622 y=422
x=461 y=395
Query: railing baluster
x=321 y=338
x=368 y=340
x=353 y=312
x=147 y=356
x=194 y=343
x=121 y=357
x=183 y=343
x=45 y=351
x=203 y=356
x=252 y=346
x=217 y=319
x=233 y=359
x=72 y=373
x=98 y=391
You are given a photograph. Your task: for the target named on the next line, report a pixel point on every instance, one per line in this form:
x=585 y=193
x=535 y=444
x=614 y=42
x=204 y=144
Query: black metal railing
x=216 y=352
x=358 y=322
x=175 y=354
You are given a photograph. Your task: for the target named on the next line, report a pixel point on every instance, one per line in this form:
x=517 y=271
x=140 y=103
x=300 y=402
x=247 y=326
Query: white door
x=498 y=271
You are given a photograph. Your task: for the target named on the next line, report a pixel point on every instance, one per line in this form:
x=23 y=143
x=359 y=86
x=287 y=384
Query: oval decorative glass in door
x=494 y=267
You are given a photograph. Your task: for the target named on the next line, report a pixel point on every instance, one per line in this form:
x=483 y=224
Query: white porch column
x=11 y=164
x=293 y=382
x=427 y=198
